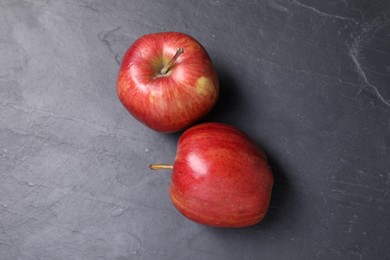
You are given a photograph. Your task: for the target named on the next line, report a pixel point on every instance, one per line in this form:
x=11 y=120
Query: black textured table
x=307 y=80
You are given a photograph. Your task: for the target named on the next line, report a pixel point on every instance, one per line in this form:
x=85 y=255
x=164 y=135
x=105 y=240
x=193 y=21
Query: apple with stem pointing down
x=220 y=178
x=167 y=81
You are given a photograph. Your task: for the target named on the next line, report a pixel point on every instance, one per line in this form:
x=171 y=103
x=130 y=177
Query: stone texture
x=308 y=81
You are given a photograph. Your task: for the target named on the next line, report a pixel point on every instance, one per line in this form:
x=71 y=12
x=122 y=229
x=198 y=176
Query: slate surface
x=307 y=80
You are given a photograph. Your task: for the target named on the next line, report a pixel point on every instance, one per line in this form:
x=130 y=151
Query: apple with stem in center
x=220 y=178
x=167 y=81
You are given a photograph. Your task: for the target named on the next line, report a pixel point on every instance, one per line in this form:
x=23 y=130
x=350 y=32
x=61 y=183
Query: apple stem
x=167 y=67
x=161 y=166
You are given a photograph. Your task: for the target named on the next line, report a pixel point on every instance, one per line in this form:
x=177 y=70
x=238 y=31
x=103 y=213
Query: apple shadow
x=229 y=100
x=282 y=191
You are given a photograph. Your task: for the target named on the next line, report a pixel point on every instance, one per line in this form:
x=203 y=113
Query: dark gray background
x=307 y=80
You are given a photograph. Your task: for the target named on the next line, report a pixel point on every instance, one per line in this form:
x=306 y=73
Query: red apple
x=220 y=178
x=167 y=81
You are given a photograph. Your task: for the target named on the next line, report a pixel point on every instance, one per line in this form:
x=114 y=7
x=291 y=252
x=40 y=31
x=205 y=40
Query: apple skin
x=220 y=178
x=175 y=100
